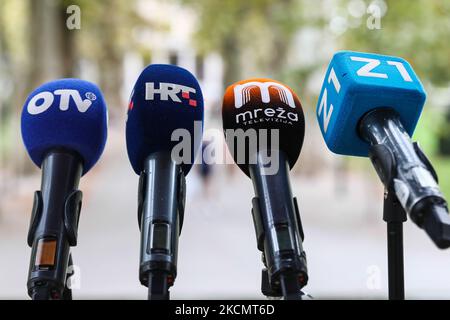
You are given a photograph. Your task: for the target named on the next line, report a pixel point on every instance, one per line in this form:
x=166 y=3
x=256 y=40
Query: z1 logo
x=44 y=100
x=323 y=103
x=367 y=70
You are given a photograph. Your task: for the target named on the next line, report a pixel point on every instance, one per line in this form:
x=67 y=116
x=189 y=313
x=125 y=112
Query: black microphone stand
x=161 y=201
x=410 y=183
x=279 y=231
x=395 y=216
x=53 y=226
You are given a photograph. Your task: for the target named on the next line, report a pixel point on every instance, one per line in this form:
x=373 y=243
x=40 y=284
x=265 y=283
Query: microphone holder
x=404 y=169
x=289 y=285
x=394 y=215
x=44 y=292
x=53 y=226
x=279 y=233
x=161 y=203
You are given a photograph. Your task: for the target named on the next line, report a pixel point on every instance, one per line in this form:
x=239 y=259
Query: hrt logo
x=44 y=100
x=242 y=93
x=170 y=90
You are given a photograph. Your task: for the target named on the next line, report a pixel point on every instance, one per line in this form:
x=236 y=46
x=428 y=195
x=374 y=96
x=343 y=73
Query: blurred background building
x=110 y=42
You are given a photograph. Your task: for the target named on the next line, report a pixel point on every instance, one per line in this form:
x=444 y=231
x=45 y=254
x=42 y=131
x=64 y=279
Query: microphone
x=166 y=106
x=264 y=128
x=369 y=106
x=64 y=129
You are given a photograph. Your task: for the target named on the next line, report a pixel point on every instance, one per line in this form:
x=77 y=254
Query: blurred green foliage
x=442 y=167
x=253 y=35
x=418 y=31
x=427 y=132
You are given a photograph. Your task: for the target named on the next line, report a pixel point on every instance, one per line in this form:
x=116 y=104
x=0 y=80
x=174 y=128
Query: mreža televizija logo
x=242 y=96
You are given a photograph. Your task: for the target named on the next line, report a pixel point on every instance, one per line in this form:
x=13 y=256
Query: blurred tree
x=51 y=42
x=105 y=36
x=36 y=46
x=415 y=30
x=250 y=35
x=219 y=24
x=14 y=59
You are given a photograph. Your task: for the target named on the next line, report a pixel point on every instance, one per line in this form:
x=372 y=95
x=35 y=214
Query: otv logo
x=44 y=100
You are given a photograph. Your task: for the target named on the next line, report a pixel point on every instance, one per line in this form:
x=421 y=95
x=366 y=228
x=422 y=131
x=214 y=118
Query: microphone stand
x=395 y=216
x=161 y=204
x=410 y=183
x=279 y=231
x=53 y=226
